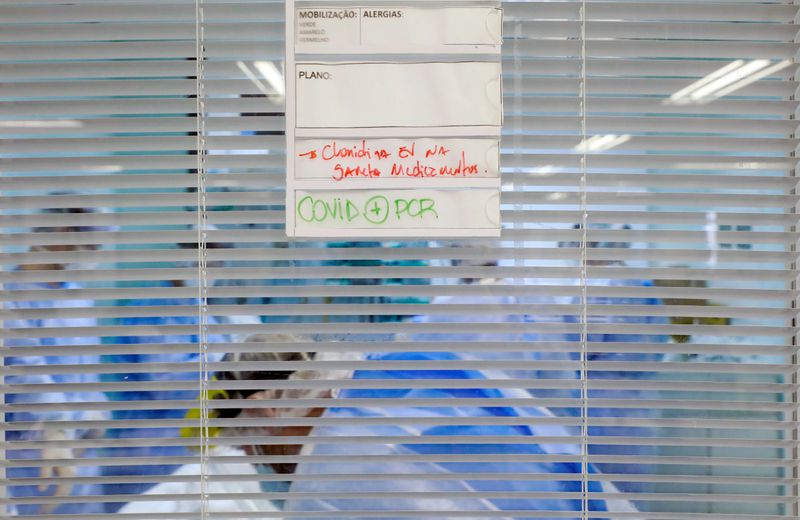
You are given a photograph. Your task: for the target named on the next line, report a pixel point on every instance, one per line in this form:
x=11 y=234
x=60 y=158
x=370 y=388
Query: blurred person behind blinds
x=356 y=460
x=540 y=299
x=177 y=311
x=228 y=441
x=40 y=427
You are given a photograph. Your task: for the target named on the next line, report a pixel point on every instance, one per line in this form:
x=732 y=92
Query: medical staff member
x=426 y=441
x=547 y=312
x=246 y=484
x=552 y=463
x=177 y=311
x=53 y=439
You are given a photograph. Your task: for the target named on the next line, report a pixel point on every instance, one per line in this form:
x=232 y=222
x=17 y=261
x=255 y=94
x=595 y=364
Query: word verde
x=376 y=210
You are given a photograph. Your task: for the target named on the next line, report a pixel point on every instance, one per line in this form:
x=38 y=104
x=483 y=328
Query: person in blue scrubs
x=441 y=458
x=38 y=424
x=544 y=309
x=176 y=312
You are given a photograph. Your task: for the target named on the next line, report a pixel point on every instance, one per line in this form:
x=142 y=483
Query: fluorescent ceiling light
x=730 y=78
x=753 y=78
x=275 y=85
x=252 y=77
x=273 y=76
x=544 y=171
x=683 y=93
x=109 y=168
x=601 y=143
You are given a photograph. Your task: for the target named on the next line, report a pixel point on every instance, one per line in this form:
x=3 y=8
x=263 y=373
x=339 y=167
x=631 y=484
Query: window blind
x=626 y=349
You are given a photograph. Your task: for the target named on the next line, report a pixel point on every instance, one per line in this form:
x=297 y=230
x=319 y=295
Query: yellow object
x=682 y=338
x=194 y=431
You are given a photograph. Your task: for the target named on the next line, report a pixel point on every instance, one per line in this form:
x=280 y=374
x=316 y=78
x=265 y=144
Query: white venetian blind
x=625 y=350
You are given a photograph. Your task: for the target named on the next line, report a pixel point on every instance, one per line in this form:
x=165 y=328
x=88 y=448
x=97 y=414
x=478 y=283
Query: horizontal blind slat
x=540 y=310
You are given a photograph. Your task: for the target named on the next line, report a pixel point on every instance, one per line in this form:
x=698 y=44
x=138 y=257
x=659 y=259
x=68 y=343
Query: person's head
x=68 y=245
x=253 y=372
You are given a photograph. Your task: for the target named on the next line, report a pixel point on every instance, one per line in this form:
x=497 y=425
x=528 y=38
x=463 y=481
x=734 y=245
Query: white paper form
x=393 y=117
x=397 y=213
x=398 y=29
x=373 y=95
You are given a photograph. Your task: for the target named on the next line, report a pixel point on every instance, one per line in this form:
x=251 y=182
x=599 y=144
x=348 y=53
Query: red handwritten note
x=345 y=159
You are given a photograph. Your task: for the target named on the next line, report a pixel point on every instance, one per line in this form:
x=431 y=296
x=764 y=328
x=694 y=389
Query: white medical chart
x=394 y=115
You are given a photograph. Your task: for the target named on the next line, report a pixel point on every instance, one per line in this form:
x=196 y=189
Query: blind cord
x=202 y=266
x=519 y=245
x=795 y=435
x=583 y=279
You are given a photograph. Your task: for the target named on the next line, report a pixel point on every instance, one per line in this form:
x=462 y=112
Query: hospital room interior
x=378 y=259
